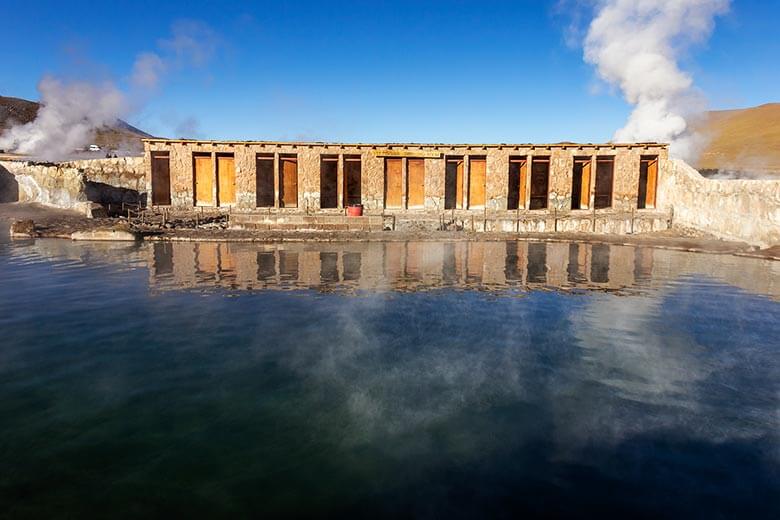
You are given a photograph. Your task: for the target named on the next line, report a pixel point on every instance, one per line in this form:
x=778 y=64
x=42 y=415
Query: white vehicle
x=94 y=148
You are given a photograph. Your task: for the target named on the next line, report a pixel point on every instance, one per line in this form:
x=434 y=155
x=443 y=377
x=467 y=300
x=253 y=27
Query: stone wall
x=117 y=180
x=76 y=184
x=49 y=184
x=746 y=210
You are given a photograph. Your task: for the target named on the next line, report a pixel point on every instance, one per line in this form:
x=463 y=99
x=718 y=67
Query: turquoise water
x=387 y=379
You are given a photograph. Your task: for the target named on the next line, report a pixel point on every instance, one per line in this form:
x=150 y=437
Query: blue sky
x=369 y=71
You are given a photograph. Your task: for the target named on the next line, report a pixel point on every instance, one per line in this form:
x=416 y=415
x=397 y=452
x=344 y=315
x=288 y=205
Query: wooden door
x=264 y=182
x=204 y=180
x=393 y=183
x=329 y=182
x=540 y=180
x=453 y=184
x=518 y=176
x=352 y=181
x=477 y=168
x=416 y=183
x=585 y=186
x=524 y=184
x=289 y=186
x=604 y=172
x=652 y=181
x=161 y=180
x=226 y=173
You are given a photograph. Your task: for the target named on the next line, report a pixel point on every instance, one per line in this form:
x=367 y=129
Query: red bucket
x=355 y=210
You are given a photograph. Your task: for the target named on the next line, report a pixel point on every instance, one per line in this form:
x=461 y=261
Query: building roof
x=403 y=145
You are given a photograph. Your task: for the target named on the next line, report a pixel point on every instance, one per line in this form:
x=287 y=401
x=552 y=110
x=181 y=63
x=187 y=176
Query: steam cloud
x=72 y=112
x=67 y=119
x=635 y=45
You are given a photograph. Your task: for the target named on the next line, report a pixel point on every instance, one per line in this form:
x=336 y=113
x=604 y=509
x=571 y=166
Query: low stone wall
x=746 y=210
x=120 y=172
x=113 y=181
x=76 y=184
x=49 y=184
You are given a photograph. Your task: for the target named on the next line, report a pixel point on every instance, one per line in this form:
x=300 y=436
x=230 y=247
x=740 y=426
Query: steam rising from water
x=635 y=46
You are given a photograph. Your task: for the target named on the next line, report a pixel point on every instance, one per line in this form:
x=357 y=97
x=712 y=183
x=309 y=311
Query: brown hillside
x=122 y=135
x=745 y=140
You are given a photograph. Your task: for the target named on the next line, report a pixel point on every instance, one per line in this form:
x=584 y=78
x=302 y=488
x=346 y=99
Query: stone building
x=405 y=179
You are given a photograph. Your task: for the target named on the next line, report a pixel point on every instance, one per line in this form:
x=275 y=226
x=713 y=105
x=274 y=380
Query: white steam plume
x=72 y=112
x=635 y=45
x=67 y=119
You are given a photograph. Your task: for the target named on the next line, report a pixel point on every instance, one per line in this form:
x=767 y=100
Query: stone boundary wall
x=75 y=184
x=746 y=210
x=120 y=172
x=52 y=185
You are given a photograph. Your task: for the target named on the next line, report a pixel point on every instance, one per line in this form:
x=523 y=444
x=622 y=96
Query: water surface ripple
x=421 y=379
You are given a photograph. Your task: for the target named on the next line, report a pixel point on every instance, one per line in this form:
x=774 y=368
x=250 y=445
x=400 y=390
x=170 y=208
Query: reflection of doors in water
x=604 y=171
x=288 y=265
x=226 y=173
x=329 y=183
x=329 y=267
x=163 y=258
x=540 y=176
x=394 y=260
x=477 y=172
x=448 y=269
x=266 y=265
x=513 y=271
x=577 y=261
x=351 y=265
x=517 y=179
x=264 y=182
x=288 y=185
x=393 y=183
x=453 y=184
x=161 y=179
x=413 y=260
x=537 y=263
x=599 y=263
x=208 y=257
x=352 y=179
x=204 y=180
x=643 y=264
x=475 y=261
x=416 y=182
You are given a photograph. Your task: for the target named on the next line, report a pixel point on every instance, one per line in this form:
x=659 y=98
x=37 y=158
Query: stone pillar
x=404 y=183
x=529 y=162
x=465 y=201
x=497 y=179
x=340 y=181
x=276 y=180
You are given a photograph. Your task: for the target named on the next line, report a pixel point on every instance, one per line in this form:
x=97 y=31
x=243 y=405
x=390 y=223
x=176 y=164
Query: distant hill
x=120 y=136
x=745 y=142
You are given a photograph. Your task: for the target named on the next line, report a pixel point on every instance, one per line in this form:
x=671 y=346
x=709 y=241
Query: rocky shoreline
x=37 y=221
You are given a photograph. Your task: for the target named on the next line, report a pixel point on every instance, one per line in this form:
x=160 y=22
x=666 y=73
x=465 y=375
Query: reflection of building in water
x=412 y=266
x=402 y=266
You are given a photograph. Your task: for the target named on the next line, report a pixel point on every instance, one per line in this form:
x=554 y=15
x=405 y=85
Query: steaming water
x=387 y=379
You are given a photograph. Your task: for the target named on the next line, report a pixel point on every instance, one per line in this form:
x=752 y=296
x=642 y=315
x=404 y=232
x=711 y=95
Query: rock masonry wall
x=747 y=210
x=73 y=185
x=626 y=173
